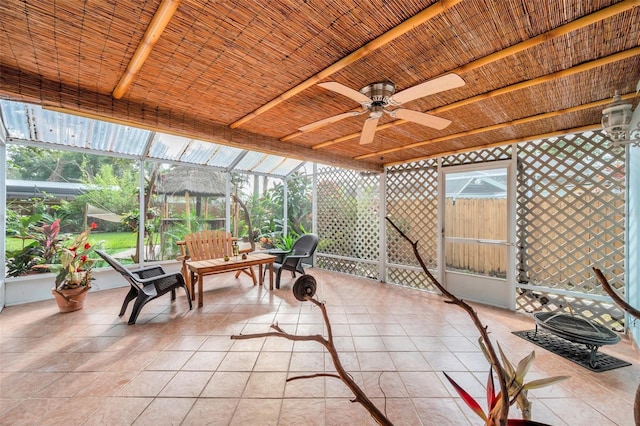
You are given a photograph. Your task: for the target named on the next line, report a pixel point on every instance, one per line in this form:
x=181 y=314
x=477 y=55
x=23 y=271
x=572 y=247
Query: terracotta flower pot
x=72 y=299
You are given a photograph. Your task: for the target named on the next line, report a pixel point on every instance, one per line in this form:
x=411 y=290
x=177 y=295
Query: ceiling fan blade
x=346 y=91
x=329 y=120
x=446 y=82
x=369 y=130
x=420 y=118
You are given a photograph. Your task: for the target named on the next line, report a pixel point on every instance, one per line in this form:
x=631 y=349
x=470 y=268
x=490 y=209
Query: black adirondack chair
x=146 y=284
x=304 y=247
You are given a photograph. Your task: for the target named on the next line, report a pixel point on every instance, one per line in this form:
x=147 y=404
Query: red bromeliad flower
x=75 y=265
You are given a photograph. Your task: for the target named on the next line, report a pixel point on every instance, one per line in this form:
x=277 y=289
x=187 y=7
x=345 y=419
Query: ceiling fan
x=377 y=97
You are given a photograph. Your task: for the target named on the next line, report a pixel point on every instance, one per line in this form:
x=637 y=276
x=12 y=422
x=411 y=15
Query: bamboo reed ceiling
x=245 y=73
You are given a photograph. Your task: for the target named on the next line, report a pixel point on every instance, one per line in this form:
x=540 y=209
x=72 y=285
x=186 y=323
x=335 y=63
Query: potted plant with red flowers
x=73 y=273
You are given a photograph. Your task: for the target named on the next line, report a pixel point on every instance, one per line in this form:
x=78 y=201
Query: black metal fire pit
x=577 y=330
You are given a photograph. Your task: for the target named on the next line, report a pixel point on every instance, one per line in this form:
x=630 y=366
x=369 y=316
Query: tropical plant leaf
x=547 y=381
x=468 y=399
x=496 y=406
x=491 y=396
x=508 y=367
x=523 y=367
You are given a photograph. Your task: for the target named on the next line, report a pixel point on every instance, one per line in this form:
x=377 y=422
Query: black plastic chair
x=146 y=284
x=304 y=247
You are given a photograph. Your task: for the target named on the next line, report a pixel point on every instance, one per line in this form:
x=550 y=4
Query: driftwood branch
x=311 y=376
x=327 y=342
x=616 y=298
x=632 y=311
x=452 y=299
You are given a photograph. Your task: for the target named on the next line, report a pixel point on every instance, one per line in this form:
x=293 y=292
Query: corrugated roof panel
x=14 y=117
x=118 y=139
x=250 y=161
x=198 y=152
x=63 y=129
x=269 y=163
x=224 y=156
x=168 y=147
x=35 y=124
x=285 y=167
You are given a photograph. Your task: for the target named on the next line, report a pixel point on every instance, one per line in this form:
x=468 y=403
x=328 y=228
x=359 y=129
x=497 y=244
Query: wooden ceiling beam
x=397 y=31
x=585 y=21
x=504 y=90
x=155 y=29
x=601 y=103
x=18 y=85
x=581 y=129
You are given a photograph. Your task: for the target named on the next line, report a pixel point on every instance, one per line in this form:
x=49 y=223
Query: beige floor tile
x=186 y=384
x=273 y=361
x=341 y=411
x=211 y=411
x=169 y=360
x=441 y=411
x=307 y=411
x=226 y=385
x=307 y=361
x=239 y=361
x=204 y=361
x=69 y=385
x=421 y=384
x=165 y=411
x=177 y=366
x=304 y=386
x=265 y=384
x=256 y=412
x=147 y=384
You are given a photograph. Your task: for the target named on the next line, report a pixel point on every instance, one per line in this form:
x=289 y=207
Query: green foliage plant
x=75 y=267
x=285 y=242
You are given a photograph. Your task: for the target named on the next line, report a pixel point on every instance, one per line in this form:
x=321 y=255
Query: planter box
x=34 y=288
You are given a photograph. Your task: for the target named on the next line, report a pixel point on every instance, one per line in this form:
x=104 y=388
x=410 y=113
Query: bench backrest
x=208 y=244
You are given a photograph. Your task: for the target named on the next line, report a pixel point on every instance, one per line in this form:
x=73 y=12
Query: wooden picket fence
x=478 y=219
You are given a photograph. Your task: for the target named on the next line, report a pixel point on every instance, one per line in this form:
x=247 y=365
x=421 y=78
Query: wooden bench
x=206 y=245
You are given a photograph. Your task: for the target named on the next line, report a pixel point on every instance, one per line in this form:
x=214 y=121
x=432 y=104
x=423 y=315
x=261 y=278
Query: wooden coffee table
x=201 y=268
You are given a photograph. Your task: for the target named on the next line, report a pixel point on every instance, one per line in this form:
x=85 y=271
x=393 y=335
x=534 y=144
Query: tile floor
x=181 y=367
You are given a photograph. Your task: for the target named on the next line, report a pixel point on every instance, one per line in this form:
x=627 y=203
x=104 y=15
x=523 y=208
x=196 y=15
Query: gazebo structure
x=200 y=183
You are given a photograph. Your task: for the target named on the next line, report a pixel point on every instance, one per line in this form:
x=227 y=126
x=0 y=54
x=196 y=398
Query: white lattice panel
x=348 y=221
x=571 y=217
x=481 y=156
x=412 y=204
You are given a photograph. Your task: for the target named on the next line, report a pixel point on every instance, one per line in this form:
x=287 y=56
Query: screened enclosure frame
x=399 y=190
x=34 y=125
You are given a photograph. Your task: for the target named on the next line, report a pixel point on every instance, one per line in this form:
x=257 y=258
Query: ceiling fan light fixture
x=376 y=97
x=379 y=92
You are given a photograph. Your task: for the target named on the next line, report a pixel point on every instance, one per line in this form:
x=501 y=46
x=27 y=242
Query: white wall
x=34 y=288
x=633 y=241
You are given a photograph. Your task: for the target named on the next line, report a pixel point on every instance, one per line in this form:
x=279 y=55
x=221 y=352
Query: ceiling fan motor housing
x=379 y=93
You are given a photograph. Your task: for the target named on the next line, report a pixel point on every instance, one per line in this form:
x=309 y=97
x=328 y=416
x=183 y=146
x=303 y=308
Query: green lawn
x=108 y=240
